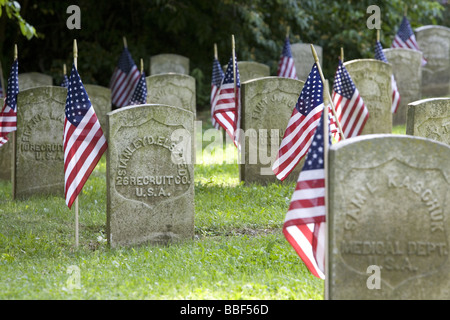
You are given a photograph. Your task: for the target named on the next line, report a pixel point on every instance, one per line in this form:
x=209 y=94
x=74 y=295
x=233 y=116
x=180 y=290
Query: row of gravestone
x=388 y=194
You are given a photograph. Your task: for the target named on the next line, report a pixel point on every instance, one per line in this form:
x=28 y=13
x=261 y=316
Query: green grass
x=238 y=251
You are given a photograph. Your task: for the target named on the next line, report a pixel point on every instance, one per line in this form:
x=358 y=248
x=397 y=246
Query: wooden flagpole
x=333 y=109
x=326 y=100
x=234 y=62
x=342 y=54
x=216 y=55
x=64 y=69
x=75 y=63
x=13 y=136
x=288 y=29
x=142 y=65
x=125 y=45
x=378 y=35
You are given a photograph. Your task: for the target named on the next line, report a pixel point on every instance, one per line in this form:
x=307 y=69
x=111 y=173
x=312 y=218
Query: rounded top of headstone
x=170 y=75
x=357 y=61
x=385 y=139
x=402 y=50
x=272 y=78
x=431 y=27
x=123 y=109
x=428 y=100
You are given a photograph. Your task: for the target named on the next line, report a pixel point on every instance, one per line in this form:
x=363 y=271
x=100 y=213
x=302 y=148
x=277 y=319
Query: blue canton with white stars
x=315 y=158
x=13 y=86
x=287 y=49
x=125 y=61
x=140 y=93
x=229 y=74
x=312 y=93
x=379 y=54
x=343 y=84
x=217 y=73
x=405 y=30
x=77 y=102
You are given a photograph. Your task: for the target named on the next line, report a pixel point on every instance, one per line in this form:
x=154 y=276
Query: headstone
x=407 y=69
x=389 y=218
x=101 y=101
x=267 y=105
x=150 y=175
x=303 y=58
x=434 y=42
x=430 y=118
x=34 y=79
x=373 y=80
x=249 y=70
x=169 y=63
x=172 y=89
x=39 y=165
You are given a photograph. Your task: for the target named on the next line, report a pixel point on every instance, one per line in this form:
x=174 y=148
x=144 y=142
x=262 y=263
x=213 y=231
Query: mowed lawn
x=238 y=250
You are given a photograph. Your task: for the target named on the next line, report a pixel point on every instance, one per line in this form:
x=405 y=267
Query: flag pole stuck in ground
x=84 y=142
x=75 y=63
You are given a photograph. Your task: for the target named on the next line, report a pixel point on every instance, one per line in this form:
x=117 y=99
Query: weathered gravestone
x=150 y=175
x=249 y=70
x=34 y=79
x=267 y=105
x=303 y=59
x=407 y=69
x=176 y=90
x=169 y=63
x=373 y=80
x=389 y=218
x=434 y=42
x=39 y=153
x=101 y=101
x=430 y=118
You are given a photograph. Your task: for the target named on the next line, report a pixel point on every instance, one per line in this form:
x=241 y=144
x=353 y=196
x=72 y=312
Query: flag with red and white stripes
x=8 y=115
x=304 y=224
x=286 y=65
x=124 y=80
x=216 y=80
x=227 y=108
x=350 y=109
x=301 y=126
x=379 y=54
x=405 y=38
x=84 y=142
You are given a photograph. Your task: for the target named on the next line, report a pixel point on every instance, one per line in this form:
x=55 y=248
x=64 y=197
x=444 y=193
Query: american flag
x=405 y=38
x=379 y=54
x=124 y=80
x=300 y=129
x=84 y=142
x=286 y=66
x=227 y=107
x=304 y=224
x=8 y=115
x=65 y=82
x=349 y=106
x=216 y=80
x=140 y=93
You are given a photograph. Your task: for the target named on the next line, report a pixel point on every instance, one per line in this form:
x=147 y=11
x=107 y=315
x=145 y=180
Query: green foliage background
x=191 y=27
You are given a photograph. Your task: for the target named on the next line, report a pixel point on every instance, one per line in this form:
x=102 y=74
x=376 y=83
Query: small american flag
x=379 y=54
x=140 y=93
x=124 y=80
x=227 y=108
x=216 y=80
x=65 y=82
x=300 y=129
x=8 y=115
x=304 y=224
x=84 y=142
x=286 y=66
x=349 y=106
x=405 y=38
